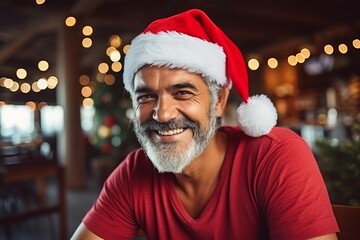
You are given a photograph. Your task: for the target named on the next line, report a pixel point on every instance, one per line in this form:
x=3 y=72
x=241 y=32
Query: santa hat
x=191 y=41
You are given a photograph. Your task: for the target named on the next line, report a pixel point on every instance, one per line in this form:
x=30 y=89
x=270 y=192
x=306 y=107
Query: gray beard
x=174 y=157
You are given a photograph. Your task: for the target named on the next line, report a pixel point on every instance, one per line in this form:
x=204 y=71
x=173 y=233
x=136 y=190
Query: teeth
x=171 y=132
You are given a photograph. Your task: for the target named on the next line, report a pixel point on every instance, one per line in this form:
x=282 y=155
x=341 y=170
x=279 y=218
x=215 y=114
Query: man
x=195 y=179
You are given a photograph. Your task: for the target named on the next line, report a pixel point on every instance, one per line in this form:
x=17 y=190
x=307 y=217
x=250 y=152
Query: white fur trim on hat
x=175 y=50
x=257 y=116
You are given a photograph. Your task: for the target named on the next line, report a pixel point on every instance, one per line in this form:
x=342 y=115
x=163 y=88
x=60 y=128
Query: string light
x=70 y=21
x=88 y=103
x=87 y=42
x=272 y=63
x=87 y=30
x=86 y=91
x=292 y=60
x=34 y=87
x=42 y=83
x=126 y=48
x=21 y=73
x=109 y=79
x=52 y=82
x=103 y=68
x=15 y=87
x=25 y=87
x=115 y=42
x=40 y=2
x=84 y=80
x=303 y=55
x=43 y=65
x=328 y=49
x=115 y=56
x=116 y=66
x=356 y=43
x=343 y=48
x=253 y=64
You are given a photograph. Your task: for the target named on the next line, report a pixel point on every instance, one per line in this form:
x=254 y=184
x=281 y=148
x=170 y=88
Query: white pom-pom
x=258 y=116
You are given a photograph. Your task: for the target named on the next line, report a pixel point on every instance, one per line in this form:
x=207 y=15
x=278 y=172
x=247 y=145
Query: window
x=17 y=123
x=52 y=120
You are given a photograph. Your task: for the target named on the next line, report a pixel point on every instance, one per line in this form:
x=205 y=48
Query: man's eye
x=183 y=94
x=145 y=98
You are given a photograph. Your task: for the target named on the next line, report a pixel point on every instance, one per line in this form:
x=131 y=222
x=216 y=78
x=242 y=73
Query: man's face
x=175 y=117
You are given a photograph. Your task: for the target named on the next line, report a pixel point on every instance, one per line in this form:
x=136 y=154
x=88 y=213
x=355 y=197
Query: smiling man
x=196 y=179
x=175 y=119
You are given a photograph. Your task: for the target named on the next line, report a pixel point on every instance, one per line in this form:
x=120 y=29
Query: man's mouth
x=170 y=132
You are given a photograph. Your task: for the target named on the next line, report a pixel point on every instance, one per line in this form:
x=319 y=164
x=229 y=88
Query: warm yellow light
x=25 y=88
x=14 y=87
x=328 y=49
x=70 y=21
x=52 y=82
x=115 y=41
x=87 y=42
x=21 y=73
x=100 y=77
x=126 y=48
x=86 y=91
x=343 y=48
x=253 y=64
x=300 y=58
x=109 y=50
x=109 y=79
x=356 y=43
x=88 y=103
x=35 y=87
x=31 y=105
x=87 y=30
x=2 y=103
x=272 y=63
x=116 y=66
x=39 y=2
x=292 y=60
x=84 y=80
x=8 y=82
x=305 y=52
x=103 y=68
x=115 y=56
x=104 y=131
x=43 y=65
x=2 y=80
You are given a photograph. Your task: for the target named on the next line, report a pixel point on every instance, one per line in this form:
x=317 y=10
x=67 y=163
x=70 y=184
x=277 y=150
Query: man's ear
x=222 y=100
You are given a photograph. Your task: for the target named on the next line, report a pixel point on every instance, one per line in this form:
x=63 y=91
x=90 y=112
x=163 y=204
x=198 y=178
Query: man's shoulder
x=282 y=133
x=277 y=134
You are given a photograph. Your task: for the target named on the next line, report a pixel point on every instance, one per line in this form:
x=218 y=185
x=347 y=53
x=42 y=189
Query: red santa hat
x=191 y=41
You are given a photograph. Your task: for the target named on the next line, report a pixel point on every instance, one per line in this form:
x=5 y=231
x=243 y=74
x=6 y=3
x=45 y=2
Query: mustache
x=153 y=125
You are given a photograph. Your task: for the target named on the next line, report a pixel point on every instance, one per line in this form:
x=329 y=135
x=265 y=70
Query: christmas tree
x=112 y=135
x=339 y=163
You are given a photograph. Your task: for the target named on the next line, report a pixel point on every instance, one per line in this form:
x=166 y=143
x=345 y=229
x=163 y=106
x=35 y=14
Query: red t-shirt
x=269 y=188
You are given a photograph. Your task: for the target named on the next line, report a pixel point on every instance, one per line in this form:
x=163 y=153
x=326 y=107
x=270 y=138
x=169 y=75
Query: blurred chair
x=348 y=219
x=20 y=200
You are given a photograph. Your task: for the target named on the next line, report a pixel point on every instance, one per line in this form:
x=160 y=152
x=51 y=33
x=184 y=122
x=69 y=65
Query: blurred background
x=64 y=114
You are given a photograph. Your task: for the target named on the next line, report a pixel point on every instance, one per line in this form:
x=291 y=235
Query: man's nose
x=165 y=109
